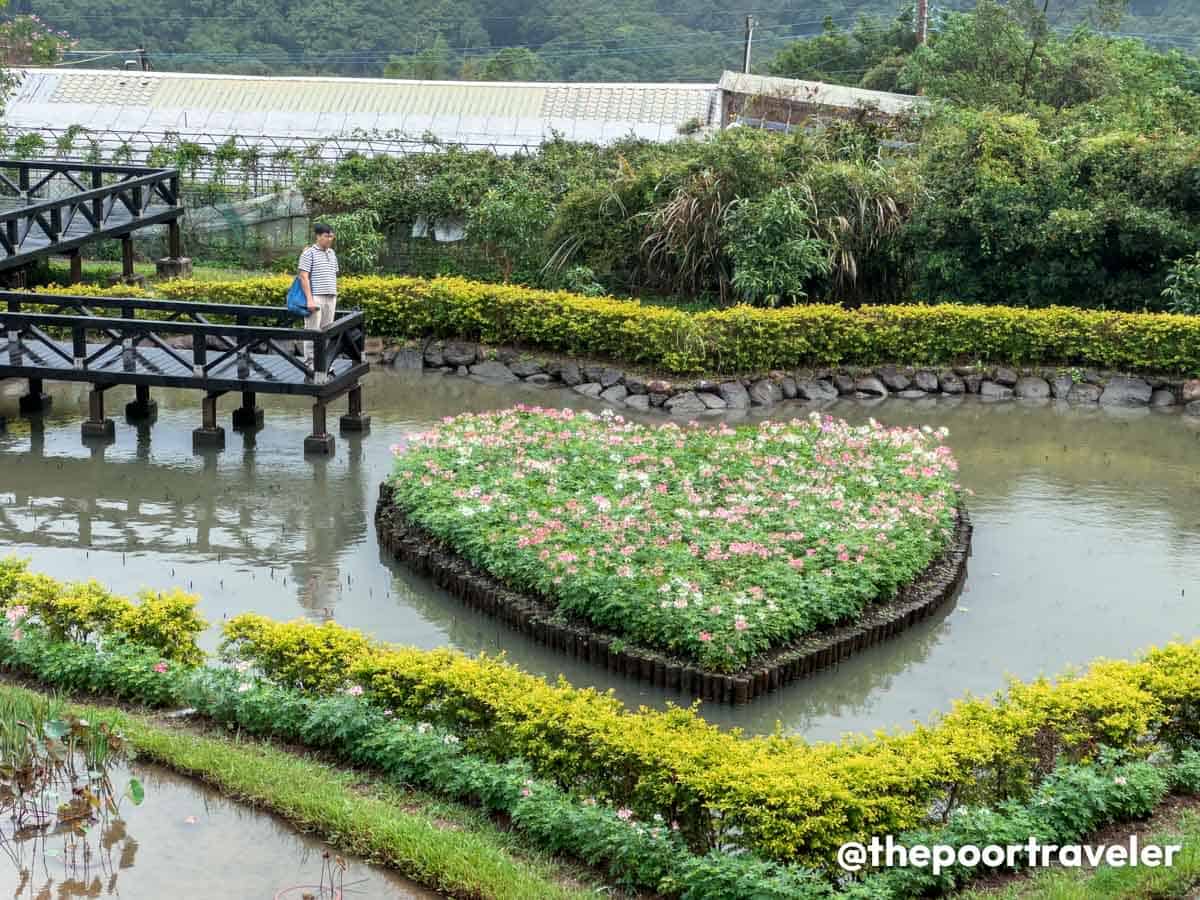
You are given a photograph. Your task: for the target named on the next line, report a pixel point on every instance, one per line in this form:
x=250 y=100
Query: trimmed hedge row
x=777 y=796
x=635 y=854
x=166 y=620
x=1072 y=801
x=742 y=338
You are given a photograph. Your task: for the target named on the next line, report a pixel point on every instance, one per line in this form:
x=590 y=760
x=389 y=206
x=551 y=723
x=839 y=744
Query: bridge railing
x=90 y=199
x=69 y=328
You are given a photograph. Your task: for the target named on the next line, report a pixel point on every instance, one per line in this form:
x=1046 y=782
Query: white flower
x=244 y=686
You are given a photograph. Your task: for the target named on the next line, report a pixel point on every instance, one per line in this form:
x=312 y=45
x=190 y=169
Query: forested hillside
x=676 y=40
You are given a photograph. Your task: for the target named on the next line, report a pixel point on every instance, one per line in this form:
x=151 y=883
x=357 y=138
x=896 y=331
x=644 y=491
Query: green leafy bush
x=775 y=254
x=359 y=240
x=1183 y=285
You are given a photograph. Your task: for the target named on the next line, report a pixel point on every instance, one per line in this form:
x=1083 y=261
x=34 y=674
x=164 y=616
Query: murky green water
x=185 y=841
x=1087 y=531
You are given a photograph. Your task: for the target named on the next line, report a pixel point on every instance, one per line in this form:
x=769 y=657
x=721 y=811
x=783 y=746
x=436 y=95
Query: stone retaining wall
x=537 y=618
x=620 y=388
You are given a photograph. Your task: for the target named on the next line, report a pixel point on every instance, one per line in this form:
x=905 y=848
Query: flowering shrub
x=715 y=545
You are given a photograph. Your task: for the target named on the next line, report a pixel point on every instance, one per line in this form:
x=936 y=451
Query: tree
x=431 y=64
x=514 y=64
x=774 y=250
x=27 y=41
x=869 y=55
x=510 y=223
x=1008 y=56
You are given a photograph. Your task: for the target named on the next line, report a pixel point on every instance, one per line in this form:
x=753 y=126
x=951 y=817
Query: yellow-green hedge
x=741 y=338
x=165 y=620
x=790 y=800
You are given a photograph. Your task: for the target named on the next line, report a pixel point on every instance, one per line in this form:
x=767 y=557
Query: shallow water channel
x=1087 y=529
x=185 y=840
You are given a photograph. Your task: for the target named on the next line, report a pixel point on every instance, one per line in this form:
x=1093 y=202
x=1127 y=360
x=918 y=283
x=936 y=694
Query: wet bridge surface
x=211 y=347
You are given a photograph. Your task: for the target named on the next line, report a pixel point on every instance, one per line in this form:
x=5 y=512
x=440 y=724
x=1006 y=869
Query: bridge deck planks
x=268 y=373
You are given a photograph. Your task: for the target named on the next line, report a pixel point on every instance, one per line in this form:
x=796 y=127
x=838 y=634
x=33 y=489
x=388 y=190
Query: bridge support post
x=97 y=427
x=209 y=435
x=320 y=441
x=141 y=408
x=355 y=419
x=76 y=260
x=248 y=416
x=37 y=400
x=175 y=264
x=127 y=258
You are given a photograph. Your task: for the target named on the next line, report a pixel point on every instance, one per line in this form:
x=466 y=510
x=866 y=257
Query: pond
x=1087 y=521
x=186 y=840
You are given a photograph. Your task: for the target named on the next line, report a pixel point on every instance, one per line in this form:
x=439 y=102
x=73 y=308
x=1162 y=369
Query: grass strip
x=1180 y=880
x=323 y=800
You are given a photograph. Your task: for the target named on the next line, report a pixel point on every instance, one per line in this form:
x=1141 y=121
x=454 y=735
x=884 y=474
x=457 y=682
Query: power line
x=573 y=48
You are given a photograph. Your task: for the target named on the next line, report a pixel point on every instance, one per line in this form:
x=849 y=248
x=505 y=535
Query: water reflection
x=1086 y=534
x=186 y=840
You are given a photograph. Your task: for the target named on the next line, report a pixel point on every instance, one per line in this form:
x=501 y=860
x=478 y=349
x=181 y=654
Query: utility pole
x=750 y=23
x=922 y=20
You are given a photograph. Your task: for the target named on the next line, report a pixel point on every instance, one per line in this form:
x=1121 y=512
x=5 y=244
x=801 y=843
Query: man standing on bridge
x=318 y=276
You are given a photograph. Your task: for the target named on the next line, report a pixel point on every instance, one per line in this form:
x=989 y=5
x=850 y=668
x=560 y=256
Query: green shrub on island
x=713 y=545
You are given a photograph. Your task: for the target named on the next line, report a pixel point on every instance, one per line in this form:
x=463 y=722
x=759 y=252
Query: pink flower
x=624 y=814
x=525 y=792
x=705 y=636
x=17 y=634
x=16 y=613
x=160 y=667
x=355 y=691
x=740 y=623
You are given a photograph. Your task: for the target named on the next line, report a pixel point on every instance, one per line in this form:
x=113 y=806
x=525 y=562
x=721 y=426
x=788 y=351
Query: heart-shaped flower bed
x=713 y=545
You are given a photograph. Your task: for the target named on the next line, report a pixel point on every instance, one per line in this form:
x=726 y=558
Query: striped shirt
x=322 y=268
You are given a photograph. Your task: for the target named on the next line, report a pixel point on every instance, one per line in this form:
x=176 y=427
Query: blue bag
x=297 y=303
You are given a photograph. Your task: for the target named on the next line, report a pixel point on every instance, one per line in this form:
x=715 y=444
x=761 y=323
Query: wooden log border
x=538 y=619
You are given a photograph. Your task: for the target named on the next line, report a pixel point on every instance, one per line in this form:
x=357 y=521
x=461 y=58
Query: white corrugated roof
x=308 y=109
x=816 y=92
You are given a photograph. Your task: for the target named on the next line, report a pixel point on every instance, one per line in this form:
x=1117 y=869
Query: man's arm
x=306 y=285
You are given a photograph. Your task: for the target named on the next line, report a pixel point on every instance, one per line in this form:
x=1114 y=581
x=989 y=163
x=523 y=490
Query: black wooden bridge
x=56 y=208
x=211 y=347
